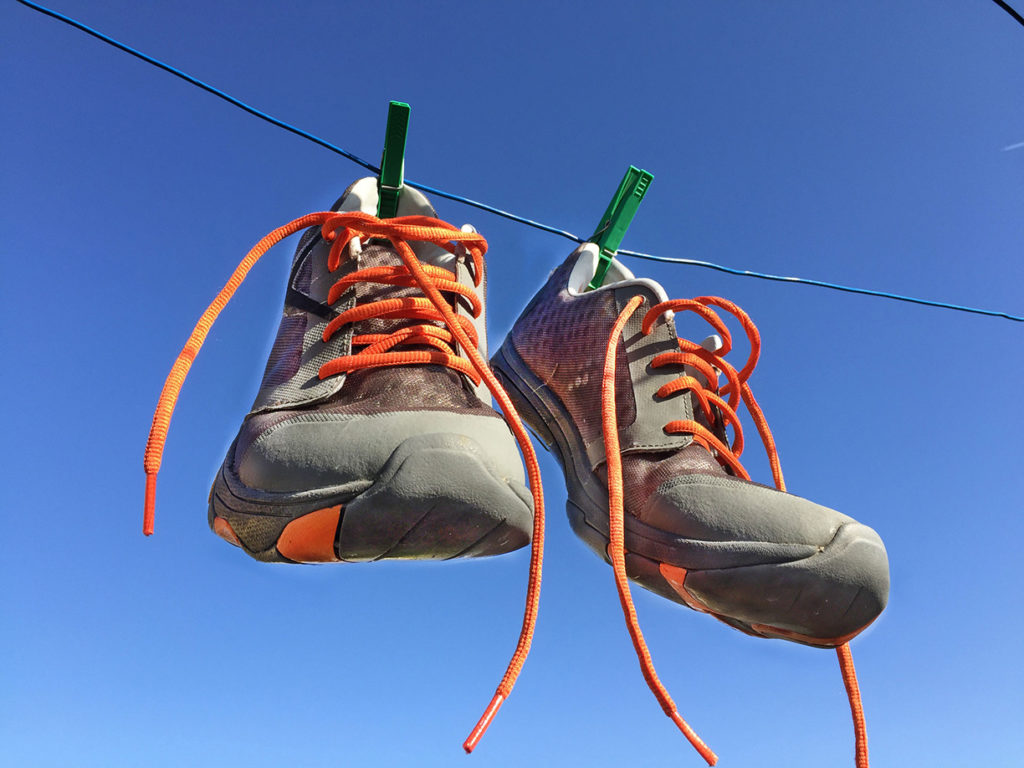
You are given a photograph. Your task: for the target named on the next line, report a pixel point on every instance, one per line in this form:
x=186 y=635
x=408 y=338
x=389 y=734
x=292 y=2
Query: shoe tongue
x=618 y=276
x=380 y=254
x=363 y=196
x=399 y=386
x=404 y=386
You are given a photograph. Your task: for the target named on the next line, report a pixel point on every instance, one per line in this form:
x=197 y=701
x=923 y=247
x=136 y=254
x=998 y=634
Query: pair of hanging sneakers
x=372 y=437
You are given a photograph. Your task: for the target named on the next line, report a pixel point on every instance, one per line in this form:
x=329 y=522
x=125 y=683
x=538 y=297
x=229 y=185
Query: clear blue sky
x=862 y=143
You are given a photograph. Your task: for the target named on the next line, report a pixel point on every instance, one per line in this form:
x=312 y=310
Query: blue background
x=864 y=143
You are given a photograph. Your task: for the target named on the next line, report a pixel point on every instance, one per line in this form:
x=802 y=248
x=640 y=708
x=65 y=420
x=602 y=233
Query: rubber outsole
x=433 y=499
x=794 y=592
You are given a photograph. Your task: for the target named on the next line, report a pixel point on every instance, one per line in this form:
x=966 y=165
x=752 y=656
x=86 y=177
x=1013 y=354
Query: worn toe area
x=721 y=508
x=316 y=450
x=824 y=599
x=832 y=589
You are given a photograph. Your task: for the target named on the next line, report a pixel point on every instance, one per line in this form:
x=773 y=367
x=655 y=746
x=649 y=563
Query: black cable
x=492 y=209
x=1006 y=7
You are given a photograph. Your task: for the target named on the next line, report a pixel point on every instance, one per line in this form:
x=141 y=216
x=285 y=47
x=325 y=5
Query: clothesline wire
x=490 y=208
x=1006 y=7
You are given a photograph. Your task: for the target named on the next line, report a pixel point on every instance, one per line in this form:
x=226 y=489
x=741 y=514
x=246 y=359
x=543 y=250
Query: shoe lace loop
x=720 y=413
x=379 y=349
x=453 y=345
x=711 y=363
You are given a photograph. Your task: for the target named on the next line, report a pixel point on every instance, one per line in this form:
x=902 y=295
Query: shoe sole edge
x=410 y=510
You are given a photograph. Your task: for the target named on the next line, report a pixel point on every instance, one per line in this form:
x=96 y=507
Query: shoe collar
x=618 y=275
x=363 y=195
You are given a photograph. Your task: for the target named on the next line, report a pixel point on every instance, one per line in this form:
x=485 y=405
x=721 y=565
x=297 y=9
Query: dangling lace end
x=856 y=708
x=484 y=723
x=149 y=510
x=691 y=736
x=176 y=378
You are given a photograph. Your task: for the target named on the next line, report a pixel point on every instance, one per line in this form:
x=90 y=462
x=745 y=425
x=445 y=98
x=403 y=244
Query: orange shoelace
x=384 y=350
x=717 y=411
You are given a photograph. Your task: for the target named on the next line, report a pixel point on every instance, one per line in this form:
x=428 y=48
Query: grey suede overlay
x=833 y=593
x=728 y=509
x=464 y=275
x=646 y=432
x=315 y=449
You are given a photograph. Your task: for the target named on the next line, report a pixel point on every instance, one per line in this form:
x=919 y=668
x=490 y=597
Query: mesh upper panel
x=643 y=472
x=286 y=354
x=563 y=339
x=256 y=532
x=304 y=275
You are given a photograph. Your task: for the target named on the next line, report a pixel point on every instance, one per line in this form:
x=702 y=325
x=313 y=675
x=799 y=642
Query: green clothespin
x=617 y=218
x=392 y=162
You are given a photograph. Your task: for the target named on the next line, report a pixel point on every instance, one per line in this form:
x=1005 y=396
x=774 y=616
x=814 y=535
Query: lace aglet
x=149 y=512
x=485 y=720
x=691 y=736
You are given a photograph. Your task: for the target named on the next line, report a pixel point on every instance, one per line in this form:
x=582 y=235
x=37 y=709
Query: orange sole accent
x=223 y=529
x=676 y=577
x=821 y=642
x=310 y=538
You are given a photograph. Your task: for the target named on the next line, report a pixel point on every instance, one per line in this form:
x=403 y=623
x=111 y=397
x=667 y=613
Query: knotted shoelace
x=717 y=411
x=385 y=349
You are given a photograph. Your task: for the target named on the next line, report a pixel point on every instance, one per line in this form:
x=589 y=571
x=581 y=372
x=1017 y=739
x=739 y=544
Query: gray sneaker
x=766 y=562
x=371 y=463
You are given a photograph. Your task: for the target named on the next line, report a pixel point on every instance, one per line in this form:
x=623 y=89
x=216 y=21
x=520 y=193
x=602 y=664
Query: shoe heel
x=530 y=409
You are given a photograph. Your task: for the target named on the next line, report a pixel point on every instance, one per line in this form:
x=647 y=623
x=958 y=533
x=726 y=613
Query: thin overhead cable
x=490 y=208
x=1006 y=7
x=820 y=284
x=200 y=84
